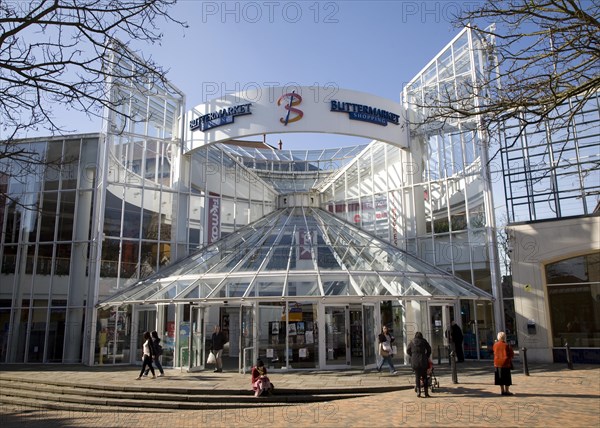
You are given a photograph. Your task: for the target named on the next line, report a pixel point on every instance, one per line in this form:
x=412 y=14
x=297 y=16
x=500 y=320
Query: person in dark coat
x=218 y=343
x=456 y=337
x=419 y=351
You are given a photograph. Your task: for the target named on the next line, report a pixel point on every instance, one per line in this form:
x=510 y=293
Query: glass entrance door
x=357 y=342
x=337 y=336
x=369 y=332
x=196 y=338
x=248 y=349
x=440 y=316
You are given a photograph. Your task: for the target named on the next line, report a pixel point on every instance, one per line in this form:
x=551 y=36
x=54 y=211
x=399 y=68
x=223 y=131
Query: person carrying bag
x=385 y=350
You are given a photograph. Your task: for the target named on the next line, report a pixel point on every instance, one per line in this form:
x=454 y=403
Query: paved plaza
x=552 y=396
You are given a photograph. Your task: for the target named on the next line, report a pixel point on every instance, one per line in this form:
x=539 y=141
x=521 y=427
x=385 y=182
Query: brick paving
x=552 y=396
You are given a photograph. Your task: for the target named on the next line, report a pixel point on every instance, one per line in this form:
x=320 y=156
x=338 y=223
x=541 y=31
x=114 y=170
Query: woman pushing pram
x=432 y=382
x=420 y=353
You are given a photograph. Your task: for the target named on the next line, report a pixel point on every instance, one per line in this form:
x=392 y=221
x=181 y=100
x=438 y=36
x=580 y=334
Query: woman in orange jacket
x=503 y=355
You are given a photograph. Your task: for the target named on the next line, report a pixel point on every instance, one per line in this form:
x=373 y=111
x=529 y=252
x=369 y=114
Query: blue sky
x=368 y=46
x=371 y=46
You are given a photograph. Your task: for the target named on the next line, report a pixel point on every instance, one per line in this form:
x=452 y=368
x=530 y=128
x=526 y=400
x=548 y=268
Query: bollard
x=439 y=355
x=525 y=365
x=569 y=359
x=453 y=365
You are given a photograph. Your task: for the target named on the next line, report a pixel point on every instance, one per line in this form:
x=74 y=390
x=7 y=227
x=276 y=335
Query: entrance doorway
x=440 y=316
x=349 y=336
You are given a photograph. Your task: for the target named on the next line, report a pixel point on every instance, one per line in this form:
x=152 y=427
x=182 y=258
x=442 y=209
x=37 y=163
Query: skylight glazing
x=296 y=252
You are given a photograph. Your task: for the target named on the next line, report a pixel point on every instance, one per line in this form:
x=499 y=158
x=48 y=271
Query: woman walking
x=156 y=353
x=147 y=350
x=503 y=355
x=419 y=351
x=385 y=350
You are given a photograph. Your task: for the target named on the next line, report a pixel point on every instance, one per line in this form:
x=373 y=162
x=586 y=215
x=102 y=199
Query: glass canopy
x=297 y=252
x=291 y=171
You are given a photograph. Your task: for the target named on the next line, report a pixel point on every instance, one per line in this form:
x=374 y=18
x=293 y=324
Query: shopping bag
x=211 y=359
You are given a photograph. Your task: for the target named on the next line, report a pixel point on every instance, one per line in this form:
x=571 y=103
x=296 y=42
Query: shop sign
x=365 y=113
x=219 y=117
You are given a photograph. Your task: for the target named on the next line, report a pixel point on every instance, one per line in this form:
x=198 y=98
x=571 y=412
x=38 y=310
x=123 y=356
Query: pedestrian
x=456 y=339
x=147 y=354
x=419 y=351
x=503 y=355
x=261 y=384
x=218 y=342
x=385 y=350
x=157 y=352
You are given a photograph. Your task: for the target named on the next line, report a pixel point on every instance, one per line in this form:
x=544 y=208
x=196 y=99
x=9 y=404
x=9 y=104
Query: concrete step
x=66 y=396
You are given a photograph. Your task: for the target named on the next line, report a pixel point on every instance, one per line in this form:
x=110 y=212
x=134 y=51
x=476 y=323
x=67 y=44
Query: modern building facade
x=552 y=186
x=174 y=221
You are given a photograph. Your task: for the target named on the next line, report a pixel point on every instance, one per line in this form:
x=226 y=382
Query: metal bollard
x=525 y=365
x=439 y=355
x=569 y=359
x=453 y=365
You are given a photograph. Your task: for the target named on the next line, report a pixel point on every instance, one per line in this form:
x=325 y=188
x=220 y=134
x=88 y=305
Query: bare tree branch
x=542 y=54
x=60 y=53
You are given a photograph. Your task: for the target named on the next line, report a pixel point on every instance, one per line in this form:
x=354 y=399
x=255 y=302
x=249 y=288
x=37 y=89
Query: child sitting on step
x=261 y=385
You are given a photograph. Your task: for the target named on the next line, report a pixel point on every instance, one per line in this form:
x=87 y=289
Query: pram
x=432 y=382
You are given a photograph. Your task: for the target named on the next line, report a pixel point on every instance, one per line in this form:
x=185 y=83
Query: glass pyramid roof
x=296 y=253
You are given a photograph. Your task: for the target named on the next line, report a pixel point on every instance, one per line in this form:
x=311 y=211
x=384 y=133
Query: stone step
x=90 y=398
x=155 y=386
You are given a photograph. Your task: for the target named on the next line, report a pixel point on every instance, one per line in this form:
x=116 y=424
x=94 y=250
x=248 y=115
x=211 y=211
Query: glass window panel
x=66 y=215
x=48 y=217
x=37 y=335
x=269 y=288
x=444 y=65
x=307 y=286
x=132 y=214
x=574 y=270
x=110 y=258
x=9 y=259
x=52 y=169
x=151 y=214
x=575 y=314
x=70 y=166
x=56 y=335
x=233 y=289
x=338 y=288
x=62 y=261
x=129 y=258
x=272 y=334
x=44 y=260
x=113 y=210
x=30 y=258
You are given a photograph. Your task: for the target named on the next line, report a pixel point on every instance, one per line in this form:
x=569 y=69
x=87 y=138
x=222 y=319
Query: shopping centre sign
x=365 y=113
x=278 y=110
x=220 y=117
